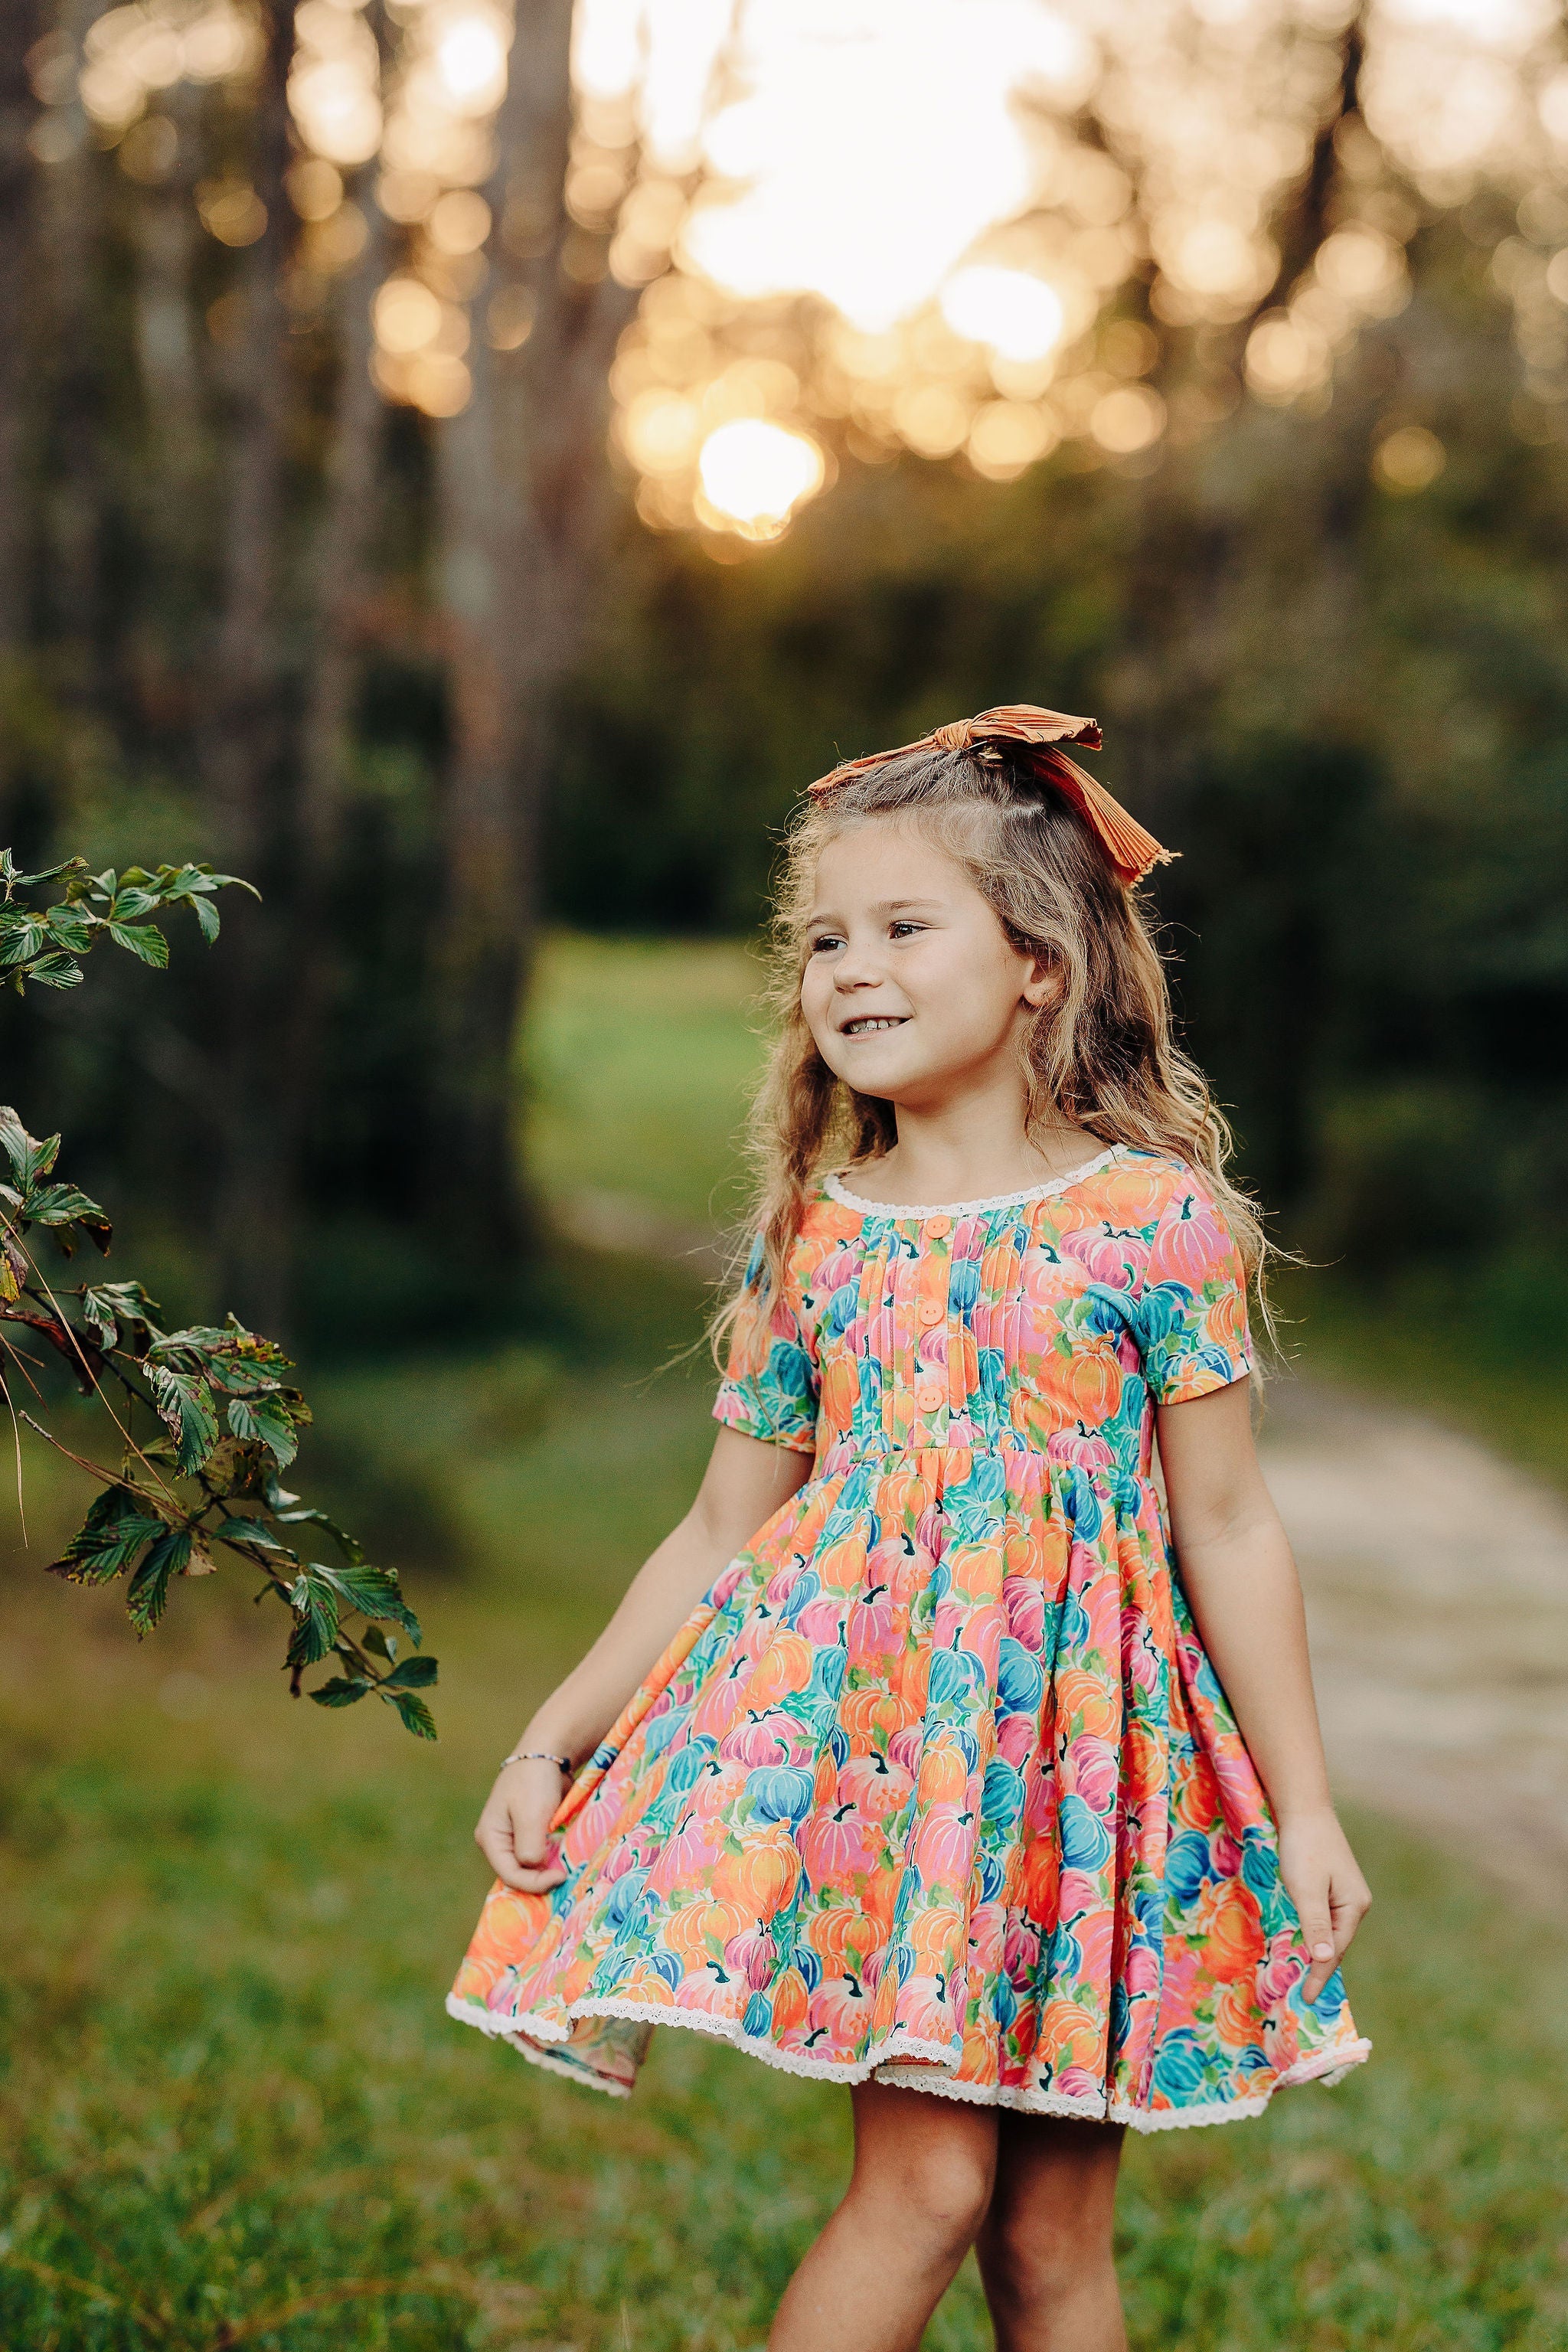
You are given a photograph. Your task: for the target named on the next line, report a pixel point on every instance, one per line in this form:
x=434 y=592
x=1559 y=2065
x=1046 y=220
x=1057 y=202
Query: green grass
x=232 y=2110
x=639 y=1056
x=232 y=2094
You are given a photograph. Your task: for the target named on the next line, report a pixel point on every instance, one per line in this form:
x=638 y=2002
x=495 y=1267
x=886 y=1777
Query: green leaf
x=109 y=1305
x=27 y=881
x=249 y=1531
x=62 y=1204
x=208 y=917
x=22 y=937
x=54 y=971
x=414 y=1674
x=144 y=939
x=29 y=1159
x=268 y=1420
x=183 y=1404
x=150 y=1585
x=350 y=1546
x=109 y=1538
x=380 y=1644
x=417 y=1716
x=69 y=929
x=374 y=1592
x=315 y=1607
x=341 y=1692
x=131 y=901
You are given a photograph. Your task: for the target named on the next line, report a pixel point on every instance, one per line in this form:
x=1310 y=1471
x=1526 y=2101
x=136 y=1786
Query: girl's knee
x=1035 y=2253
x=938 y=2189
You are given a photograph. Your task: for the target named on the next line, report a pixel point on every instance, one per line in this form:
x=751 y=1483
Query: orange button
x=939 y=1228
x=930 y=1395
x=931 y=1311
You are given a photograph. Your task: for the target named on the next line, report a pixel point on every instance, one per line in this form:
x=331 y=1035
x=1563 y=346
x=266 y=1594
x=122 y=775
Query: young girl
x=920 y=1757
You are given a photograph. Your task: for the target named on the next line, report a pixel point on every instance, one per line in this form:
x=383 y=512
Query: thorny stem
x=96 y=1386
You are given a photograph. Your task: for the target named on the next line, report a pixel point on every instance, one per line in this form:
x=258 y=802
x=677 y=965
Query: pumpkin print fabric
x=937 y=1784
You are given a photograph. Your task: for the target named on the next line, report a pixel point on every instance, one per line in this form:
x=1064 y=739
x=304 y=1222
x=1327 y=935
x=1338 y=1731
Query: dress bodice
x=1045 y=1321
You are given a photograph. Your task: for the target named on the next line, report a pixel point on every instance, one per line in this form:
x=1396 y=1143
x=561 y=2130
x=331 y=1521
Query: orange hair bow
x=1130 y=850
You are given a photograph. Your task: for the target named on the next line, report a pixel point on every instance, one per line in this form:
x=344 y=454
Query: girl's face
x=911 y=987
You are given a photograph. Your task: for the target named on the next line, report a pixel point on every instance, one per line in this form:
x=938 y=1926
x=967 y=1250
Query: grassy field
x=233 y=2111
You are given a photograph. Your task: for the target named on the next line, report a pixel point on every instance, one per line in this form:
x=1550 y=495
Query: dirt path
x=1437 y=1583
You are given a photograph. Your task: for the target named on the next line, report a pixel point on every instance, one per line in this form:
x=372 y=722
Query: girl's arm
x=1240 y=1577
x=745 y=1483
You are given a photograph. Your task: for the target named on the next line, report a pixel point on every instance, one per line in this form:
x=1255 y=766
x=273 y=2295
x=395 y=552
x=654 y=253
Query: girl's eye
x=904 y=931
x=825 y=942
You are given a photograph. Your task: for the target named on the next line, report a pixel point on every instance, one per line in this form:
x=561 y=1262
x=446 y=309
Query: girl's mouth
x=869 y=1022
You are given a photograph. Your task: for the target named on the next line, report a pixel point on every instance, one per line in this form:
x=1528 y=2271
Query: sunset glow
x=922 y=224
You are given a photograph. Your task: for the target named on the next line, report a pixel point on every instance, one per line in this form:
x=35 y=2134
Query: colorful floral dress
x=936 y=1784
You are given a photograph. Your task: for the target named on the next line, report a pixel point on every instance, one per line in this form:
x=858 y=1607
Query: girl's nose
x=856 y=967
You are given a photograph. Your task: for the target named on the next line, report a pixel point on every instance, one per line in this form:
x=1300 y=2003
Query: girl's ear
x=1044 y=984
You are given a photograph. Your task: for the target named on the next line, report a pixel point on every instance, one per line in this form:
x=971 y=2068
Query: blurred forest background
x=466 y=493
x=466 y=471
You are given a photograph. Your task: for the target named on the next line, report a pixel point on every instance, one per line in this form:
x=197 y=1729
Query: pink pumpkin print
x=1106 y=1257
x=1090 y=1767
x=1282 y=1970
x=1142 y=1969
x=1191 y=1244
x=838 y=2013
x=820 y=1621
x=944 y=1847
x=1015 y=1738
x=834 y=1846
x=987 y=1934
x=1020 y=1950
x=1077 y=2083
x=875 y=1786
x=1080 y=1451
x=1079 y=1893
x=925 y=2009
x=752 y=1954
x=1096 y=1934
x=907 y=1746
x=1025 y=1601
x=761 y=1739
x=716 y=1789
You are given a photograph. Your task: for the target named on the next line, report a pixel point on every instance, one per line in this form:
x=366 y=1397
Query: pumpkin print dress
x=936 y=1783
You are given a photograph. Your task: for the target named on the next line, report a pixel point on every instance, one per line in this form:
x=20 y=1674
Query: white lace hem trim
x=899 y=2063
x=835 y=1186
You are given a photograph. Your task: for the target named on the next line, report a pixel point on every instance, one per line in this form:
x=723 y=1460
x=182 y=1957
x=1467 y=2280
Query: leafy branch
x=46 y=944
x=205 y=1419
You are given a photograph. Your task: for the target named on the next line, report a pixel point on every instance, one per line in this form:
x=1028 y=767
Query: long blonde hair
x=1102 y=1055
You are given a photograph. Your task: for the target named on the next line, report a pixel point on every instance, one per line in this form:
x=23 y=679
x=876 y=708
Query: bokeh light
x=1017 y=314
x=754 y=474
x=1409 y=459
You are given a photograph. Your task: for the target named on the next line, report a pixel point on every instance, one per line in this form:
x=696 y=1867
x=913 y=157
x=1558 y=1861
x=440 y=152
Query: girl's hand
x=1324 y=1881
x=513 y=1830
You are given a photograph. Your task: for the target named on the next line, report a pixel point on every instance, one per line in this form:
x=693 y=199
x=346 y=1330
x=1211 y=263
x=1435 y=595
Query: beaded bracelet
x=539 y=1756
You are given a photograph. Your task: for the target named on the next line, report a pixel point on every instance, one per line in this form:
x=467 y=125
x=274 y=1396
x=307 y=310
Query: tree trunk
x=244 y=737
x=18 y=30
x=69 y=228
x=524 y=481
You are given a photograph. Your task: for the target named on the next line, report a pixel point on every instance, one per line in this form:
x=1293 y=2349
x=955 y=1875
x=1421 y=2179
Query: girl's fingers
x=1318 y=1935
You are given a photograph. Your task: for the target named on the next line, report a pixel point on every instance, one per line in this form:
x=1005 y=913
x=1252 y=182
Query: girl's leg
x=1046 y=2247
x=924 y=2169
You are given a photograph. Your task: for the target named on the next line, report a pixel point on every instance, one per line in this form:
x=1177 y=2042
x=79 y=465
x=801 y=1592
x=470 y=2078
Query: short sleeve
x=770 y=1387
x=1192 y=1310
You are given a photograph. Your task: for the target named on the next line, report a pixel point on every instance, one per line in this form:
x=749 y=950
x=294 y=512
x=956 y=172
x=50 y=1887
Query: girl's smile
x=911 y=986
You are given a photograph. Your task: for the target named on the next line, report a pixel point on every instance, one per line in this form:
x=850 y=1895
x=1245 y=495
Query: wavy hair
x=1102 y=1055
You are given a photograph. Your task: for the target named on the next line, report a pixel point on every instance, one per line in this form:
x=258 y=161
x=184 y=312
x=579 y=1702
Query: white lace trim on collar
x=836 y=1190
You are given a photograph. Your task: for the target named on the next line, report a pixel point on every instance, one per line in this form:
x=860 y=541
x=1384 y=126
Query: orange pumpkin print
x=1006 y=1833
